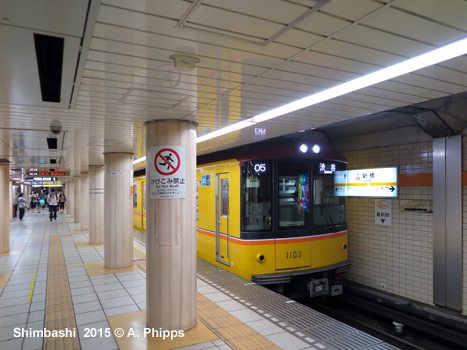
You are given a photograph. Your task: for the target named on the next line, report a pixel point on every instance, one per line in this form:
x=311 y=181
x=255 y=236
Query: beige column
x=5 y=208
x=96 y=204
x=11 y=199
x=27 y=192
x=118 y=210
x=84 y=200
x=76 y=202
x=70 y=198
x=171 y=227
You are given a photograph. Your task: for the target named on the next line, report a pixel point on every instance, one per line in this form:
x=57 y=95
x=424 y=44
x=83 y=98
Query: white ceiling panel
x=140 y=30
x=307 y=73
x=232 y=23
x=450 y=12
x=298 y=38
x=352 y=10
x=19 y=74
x=431 y=84
x=358 y=53
x=323 y=24
x=65 y=17
x=336 y=65
x=383 y=41
x=171 y=9
x=276 y=11
x=254 y=55
x=415 y=27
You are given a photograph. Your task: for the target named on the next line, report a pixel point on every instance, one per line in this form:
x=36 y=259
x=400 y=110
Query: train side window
x=294 y=191
x=225 y=197
x=257 y=194
x=328 y=208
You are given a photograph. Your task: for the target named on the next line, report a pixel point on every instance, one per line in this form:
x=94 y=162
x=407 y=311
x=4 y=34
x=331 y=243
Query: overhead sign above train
x=373 y=182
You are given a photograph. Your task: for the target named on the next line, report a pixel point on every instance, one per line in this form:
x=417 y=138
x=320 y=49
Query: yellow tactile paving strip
x=231 y=330
x=77 y=231
x=4 y=277
x=139 y=258
x=79 y=245
x=137 y=321
x=59 y=314
x=215 y=322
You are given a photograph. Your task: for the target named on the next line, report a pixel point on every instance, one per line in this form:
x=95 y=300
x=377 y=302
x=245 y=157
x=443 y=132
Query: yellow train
x=271 y=213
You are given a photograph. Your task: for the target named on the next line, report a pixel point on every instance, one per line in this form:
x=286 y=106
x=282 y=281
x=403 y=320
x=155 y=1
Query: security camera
x=55 y=127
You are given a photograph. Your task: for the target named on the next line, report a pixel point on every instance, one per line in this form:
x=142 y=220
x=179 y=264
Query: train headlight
x=316 y=148
x=260 y=258
x=304 y=148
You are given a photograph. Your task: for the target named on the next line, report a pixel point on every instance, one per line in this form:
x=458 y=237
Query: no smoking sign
x=167 y=172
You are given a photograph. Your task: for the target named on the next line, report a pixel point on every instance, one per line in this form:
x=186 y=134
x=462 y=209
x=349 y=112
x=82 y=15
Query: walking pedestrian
x=22 y=205
x=34 y=202
x=52 y=201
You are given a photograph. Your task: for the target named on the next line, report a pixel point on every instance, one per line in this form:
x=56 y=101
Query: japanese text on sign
x=383 y=212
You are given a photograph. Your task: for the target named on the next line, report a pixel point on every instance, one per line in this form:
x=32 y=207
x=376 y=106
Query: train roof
x=277 y=149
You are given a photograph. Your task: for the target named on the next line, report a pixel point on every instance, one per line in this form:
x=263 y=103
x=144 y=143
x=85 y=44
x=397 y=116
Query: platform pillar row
x=171 y=225
x=76 y=198
x=5 y=210
x=84 y=200
x=96 y=204
x=66 y=191
x=70 y=198
x=118 y=210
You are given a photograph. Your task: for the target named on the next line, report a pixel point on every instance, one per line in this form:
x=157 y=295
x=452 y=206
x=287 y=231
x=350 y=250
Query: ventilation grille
x=49 y=54
x=52 y=143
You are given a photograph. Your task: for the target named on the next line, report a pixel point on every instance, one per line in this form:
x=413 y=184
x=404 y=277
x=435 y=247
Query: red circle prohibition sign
x=159 y=157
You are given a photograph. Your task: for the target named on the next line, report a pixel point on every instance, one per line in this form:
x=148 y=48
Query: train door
x=143 y=201
x=222 y=218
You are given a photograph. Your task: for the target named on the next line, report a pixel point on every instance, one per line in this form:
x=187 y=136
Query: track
x=376 y=318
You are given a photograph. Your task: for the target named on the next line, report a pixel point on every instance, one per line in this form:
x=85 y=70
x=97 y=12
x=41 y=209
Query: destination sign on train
x=373 y=182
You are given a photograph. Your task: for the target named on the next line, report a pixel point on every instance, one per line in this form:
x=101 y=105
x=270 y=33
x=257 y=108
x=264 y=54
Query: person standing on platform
x=62 y=200
x=34 y=202
x=22 y=205
x=43 y=199
x=52 y=201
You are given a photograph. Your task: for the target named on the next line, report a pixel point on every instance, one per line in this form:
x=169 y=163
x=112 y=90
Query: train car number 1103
x=293 y=255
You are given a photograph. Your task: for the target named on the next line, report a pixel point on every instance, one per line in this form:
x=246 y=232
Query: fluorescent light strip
x=442 y=54
x=139 y=160
x=228 y=129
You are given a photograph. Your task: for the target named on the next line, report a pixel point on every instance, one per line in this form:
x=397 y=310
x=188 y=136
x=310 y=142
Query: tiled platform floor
x=53 y=278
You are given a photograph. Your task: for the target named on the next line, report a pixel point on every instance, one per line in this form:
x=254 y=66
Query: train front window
x=328 y=208
x=257 y=194
x=294 y=191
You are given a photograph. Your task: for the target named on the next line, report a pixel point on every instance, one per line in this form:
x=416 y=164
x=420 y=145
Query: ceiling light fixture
x=433 y=57
x=139 y=160
x=185 y=62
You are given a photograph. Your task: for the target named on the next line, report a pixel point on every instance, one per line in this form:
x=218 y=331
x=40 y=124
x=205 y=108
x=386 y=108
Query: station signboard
x=372 y=182
x=41 y=178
